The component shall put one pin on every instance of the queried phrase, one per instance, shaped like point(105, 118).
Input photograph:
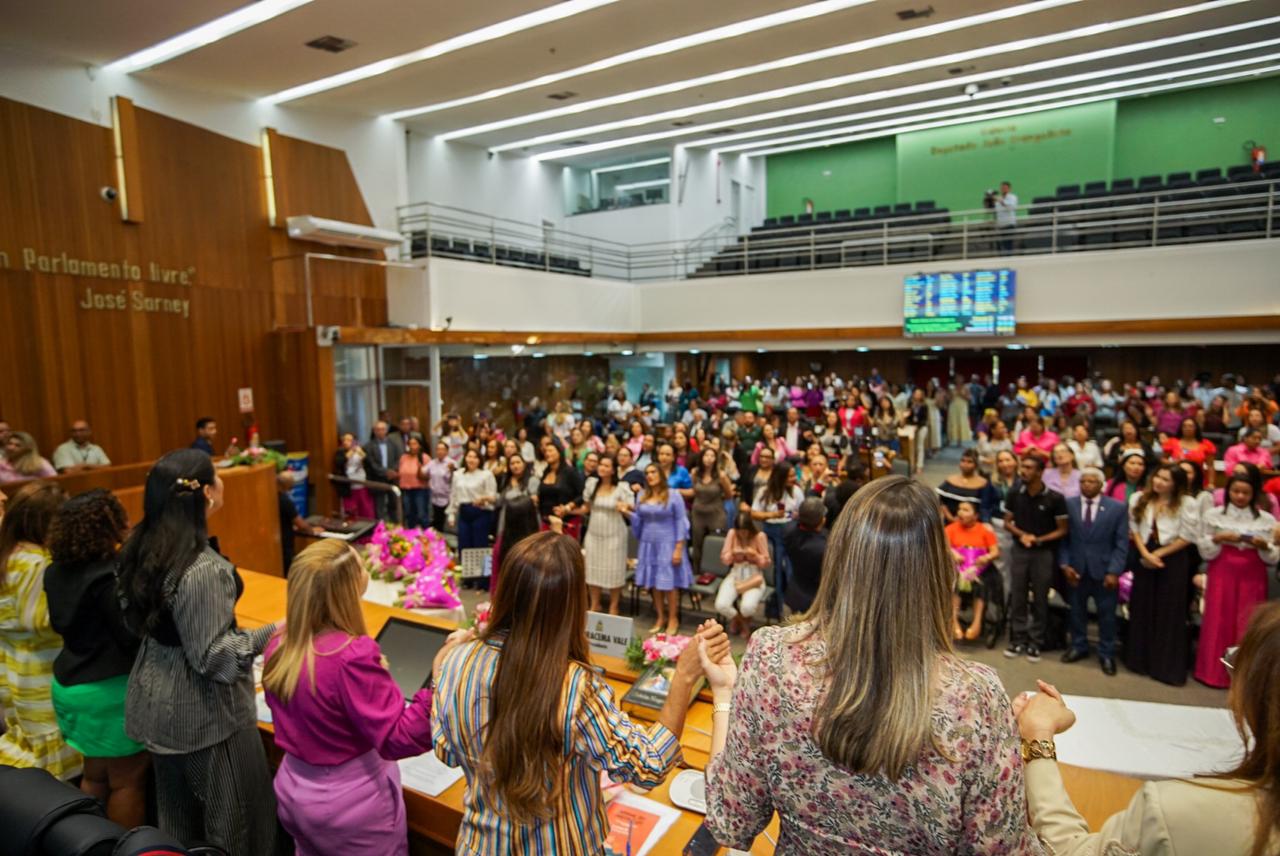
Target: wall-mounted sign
point(245, 396)
point(137, 300)
point(122, 269)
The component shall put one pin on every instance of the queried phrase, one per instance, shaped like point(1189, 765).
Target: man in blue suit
point(1092, 557)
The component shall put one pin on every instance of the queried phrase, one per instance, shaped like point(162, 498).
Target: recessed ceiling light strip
point(729, 31)
point(773, 65)
point(719, 140)
point(536, 18)
point(1000, 114)
point(205, 34)
point(860, 98)
point(993, 99)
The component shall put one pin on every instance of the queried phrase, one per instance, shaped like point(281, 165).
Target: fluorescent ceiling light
point(1003, 102)
point(888, 71)
point(546, 15)
point(760, 68)
point(1022, 111)
point(205, 34)
point(625, 166)
point(637, 185)
point(729, 31)
point(718, 141)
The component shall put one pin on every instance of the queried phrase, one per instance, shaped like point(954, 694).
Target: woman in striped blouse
point(190, 699)
point(532, 726)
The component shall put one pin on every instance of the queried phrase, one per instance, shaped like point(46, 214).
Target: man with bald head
point(80, 452)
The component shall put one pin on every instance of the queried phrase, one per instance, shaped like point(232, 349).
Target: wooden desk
point(1098, 795)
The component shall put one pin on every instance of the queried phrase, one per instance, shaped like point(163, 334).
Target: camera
point(108, 194)
point(989, 198)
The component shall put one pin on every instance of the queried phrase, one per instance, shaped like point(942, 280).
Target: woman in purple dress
point(661, 525)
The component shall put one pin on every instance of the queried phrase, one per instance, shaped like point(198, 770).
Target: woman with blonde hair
point(532, 725)
point(1231, 813)
point(22, 460)
point(859, 725)
point(339, 716)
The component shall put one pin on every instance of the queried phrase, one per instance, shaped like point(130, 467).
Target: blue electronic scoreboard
point(963, 303)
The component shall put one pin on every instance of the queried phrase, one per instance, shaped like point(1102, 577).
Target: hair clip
point(189, 484)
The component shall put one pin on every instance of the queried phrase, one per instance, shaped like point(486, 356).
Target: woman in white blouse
point(472, 497)
point(1164, 522)
point(1086, 450)
point(1238, 540)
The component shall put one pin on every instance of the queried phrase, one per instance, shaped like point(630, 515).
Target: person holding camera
point(1005, 205)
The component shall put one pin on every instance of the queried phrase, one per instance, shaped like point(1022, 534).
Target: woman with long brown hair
point(1233, 813)
point(885, 739)
point(532, 725)
point(339, 716)
point(1164, 522)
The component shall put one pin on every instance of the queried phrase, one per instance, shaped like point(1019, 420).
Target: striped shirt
point(598, 736)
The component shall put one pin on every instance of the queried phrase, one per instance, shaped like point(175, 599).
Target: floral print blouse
point(973, 805)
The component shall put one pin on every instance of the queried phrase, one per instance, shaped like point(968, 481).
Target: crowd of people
point(121, 653)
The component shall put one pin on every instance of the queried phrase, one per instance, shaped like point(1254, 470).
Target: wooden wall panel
point(142, 378)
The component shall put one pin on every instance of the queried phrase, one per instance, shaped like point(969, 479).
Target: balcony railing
point(1143, 219)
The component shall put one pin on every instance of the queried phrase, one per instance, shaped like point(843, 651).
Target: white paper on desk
point(337, 536)
point(426, 774)
point(667, 817)
point(264, 712)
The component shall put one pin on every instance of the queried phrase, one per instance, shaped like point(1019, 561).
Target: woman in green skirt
point(92, 671)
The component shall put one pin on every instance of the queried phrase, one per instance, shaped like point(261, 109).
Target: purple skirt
point(354, 807)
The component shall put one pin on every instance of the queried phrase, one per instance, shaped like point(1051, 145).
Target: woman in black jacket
point(91, 672)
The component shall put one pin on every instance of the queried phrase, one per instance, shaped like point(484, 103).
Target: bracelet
point(722, 707)
point(1034, 749)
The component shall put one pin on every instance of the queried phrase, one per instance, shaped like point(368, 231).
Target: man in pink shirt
point(1036, 440)
point(1248, 451)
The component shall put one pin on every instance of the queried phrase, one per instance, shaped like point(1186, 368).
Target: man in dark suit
point(806, 543)
point(384, 451)
point(1092, 557)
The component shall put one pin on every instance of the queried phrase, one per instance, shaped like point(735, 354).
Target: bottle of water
point(879, 459)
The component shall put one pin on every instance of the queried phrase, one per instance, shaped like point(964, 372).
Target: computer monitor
point(410, 648)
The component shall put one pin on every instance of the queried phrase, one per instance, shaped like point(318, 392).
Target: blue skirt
point(654, 568)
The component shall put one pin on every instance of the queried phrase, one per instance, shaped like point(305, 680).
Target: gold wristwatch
point(1033, 749)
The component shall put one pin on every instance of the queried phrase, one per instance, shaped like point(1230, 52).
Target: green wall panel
point(1176, 132)
point(850, 176)
point(1143, 136)
point(1036, 152)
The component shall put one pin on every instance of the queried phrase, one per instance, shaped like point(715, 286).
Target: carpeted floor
point(1081, 678)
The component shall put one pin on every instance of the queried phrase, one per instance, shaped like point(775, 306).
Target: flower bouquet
point(420, 559)
point(259, 455)
point(661, 649)
point(479, 619)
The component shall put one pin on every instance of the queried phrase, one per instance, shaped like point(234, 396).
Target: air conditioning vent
point(577, 142)
point(683, 123)
point(715, 132)
point(961, 69)
point(562, 96)
point(332, 44)
point(913, 14)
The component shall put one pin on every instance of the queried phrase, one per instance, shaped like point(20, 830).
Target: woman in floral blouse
point(928, 763)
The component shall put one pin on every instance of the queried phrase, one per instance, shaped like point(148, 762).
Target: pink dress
point(338, 787)
point(1237, 583)
point(975, 803)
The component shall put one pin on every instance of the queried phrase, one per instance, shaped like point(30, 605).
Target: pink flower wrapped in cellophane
point(663, 647)
point(419, 557)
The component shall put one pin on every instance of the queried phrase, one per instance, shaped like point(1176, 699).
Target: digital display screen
point(962, 303)
point(410, 649)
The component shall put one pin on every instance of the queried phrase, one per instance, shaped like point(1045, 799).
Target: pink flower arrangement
point(480, 618)
point(663, 647)
point(418, 557)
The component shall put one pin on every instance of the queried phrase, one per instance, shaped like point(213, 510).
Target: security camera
point(108, 194)
point(972, 89)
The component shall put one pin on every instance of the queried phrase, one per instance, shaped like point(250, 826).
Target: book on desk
point(648, 694)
